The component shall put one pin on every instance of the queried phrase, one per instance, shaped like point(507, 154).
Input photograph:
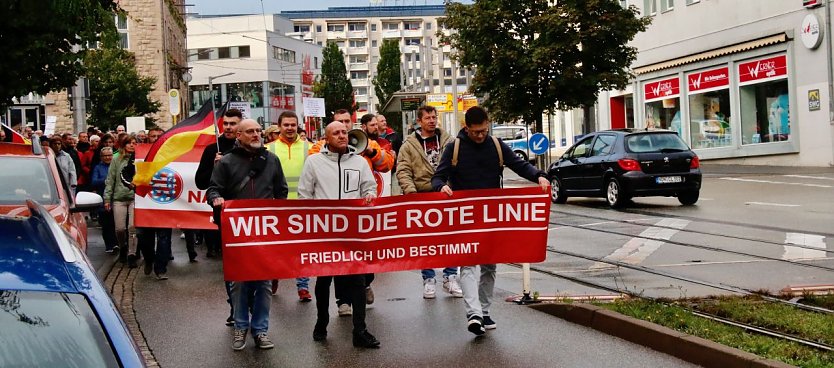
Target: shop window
point(709, 119)
point(200, 94)
point(765, 112)
point(664, 114)
point(251, 92)
point(628, 101)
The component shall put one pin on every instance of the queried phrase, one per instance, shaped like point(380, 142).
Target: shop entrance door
point(23, 116)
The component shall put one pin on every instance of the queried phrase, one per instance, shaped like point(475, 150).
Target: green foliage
point(532, 56)
point(39, 39)
point(117, 90)
point(333, 84)
point(387, 79)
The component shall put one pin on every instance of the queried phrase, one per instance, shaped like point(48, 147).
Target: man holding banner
point(475, 160)
point(248, 172)
point(336, 172)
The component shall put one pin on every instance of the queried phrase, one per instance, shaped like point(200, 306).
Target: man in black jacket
point(478, 168)
point(248, 171)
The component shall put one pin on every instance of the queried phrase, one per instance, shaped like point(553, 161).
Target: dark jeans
point(354, 288)
point(155, 245)
point(343, 297)
point(108, 228)
point(190, 236)
point(212, 240)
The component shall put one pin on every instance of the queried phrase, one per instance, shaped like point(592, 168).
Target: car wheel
point(557, 193)
point(614, 194)
point(521, 155)
point(688, 198)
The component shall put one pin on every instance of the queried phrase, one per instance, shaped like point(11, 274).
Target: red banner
point(666, 88)
point(763, 70)
point(709, 80)
point(272, 239)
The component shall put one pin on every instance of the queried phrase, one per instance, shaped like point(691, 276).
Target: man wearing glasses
point(479, 159)
point(248, 171)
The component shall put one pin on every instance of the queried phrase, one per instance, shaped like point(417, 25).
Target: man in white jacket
point(337, 173)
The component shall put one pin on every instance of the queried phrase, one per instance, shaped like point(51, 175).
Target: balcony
point(304, 36)
point(357, 50)
point(359, 66)
point(362, 82)
point(391, 33)
point(336, 35)
point(410, 48)
point(413, 33)
point(361, 98)
point(412, 65)
point(357, 34)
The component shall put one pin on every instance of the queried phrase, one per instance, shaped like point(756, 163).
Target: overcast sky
point(211, 7)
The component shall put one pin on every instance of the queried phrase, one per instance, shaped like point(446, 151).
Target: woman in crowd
point(105, 218)
point(118, 197)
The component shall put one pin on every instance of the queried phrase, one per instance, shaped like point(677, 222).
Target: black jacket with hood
point(203, 176)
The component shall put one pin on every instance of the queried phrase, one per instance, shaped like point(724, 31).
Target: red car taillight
point(695, 163)
point(628, 164)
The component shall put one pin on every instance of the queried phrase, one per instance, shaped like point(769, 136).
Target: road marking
point(772, 204)
point(687, 264)
point(777, 182)
point(809, 177)
point(636, 250)
point(808, 240)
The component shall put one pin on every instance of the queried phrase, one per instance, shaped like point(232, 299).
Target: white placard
point(49, 127)
point(243, 106)
point(135, 123)
point(313, 106)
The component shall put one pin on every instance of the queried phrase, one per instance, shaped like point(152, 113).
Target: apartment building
point(248, 61)
point(743, 80)
point(359, 33)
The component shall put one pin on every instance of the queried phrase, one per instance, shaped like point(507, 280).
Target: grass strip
point(677, 318)
point(822, 301)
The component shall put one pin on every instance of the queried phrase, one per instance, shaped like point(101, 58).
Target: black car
point(625, 163)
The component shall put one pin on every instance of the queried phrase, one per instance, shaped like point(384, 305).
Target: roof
point(30, 258)
point(408, 11)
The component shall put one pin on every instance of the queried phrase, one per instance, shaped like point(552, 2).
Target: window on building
point(373, 27)
point(340, 44)
point(690, 2)
point(223, 52)
point(373, 43)
point(709, 119)
point(355, 59)
point(315, 62)
point(390, 26)
point(301, 28)
point(667, 5)
point(663, 105)
point(360, 91)
point(649, 7)
point(283, 54)
point(356, 27)
point(412, 41)
point(359, 74)
point(243, 51)
point(411, 26)
point(121, 27)
point(461, 72)
point(623, 3)
point(447, 72)
point(320, 43)
point(428, 25)
point(200, 94)
point(358, 43)
point(335, 28)
point(251, 92)
point(203, 54)
point(318, 29)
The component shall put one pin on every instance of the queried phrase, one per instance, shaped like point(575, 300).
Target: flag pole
point(214, 113)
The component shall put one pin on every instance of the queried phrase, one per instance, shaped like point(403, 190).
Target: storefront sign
point(813, 100)
point(763, 70)
point(708, 80)
point(810, 32)
point(271, 239)
point(662, 89)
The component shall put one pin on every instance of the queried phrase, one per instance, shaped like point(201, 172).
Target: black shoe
point(131, 261)
point(230, 321)
point(319, 335)
point(192, 260)
point(148, 267)
point(365, 340)
point(476, 325)
point(210, 254)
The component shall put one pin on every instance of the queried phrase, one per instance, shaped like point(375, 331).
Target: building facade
point(359, 33)
point(248, 61)
point(744, 80)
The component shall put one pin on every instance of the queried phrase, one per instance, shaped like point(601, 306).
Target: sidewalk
point(182, 320)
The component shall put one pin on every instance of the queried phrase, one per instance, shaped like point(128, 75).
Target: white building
point(359, 33)
point(270, 72)
point(746, 80)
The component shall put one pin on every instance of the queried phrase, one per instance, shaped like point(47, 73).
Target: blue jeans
point(259, 322)
point(302, 283)
point(448, 271)
point(163, 251)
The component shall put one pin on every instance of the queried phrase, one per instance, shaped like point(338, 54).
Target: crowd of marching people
point(279, 162)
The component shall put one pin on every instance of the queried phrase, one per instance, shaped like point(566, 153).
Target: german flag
point(12, 136)
point(197, 130)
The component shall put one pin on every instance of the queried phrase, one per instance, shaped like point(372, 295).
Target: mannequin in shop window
point(779, 119)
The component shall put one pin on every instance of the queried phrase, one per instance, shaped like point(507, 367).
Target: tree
point(387, 79)
point(41, 43)
point(537, 56)
point(333, 84)
point(117, 90)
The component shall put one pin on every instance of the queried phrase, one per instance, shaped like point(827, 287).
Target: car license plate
point(668, 179)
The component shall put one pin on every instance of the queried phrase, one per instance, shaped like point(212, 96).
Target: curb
point(119, 282)
point(665, 340)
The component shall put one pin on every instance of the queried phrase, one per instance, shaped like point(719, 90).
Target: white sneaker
point(345, 310)
point(429, 289)
point(452, 286)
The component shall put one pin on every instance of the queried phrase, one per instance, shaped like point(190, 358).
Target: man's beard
point(373, 136)
point(254, 145)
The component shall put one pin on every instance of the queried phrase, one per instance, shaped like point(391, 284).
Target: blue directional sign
point(539, 143)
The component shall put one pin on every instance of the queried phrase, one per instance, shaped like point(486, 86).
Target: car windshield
point(662, 142)
point(43, 329)
point(23, 178)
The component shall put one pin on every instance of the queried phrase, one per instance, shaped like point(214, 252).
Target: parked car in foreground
point(625, 163)
point(54, 310)
point(28, 172)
